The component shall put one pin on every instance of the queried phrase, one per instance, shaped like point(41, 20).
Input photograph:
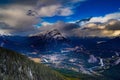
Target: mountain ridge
point(14, 66)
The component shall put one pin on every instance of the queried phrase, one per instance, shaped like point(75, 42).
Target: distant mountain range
point(49, 40)
point(107, 48)
point(54, 41)
point(113, 44)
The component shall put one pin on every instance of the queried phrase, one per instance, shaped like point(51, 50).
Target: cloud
point(107, 26)
point(92, 29)
point(52, 10)
point(106, 29)
point(48, 10)
point(65, 12)
point(16, 18)
point(64, 28)
point(107, 17)
point(46, 23)
point(4, 26)
point(14, 13)
point(113, 25)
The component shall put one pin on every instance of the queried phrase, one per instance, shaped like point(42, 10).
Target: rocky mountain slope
point(52, 34)
point(50, 40)
point(14, 66)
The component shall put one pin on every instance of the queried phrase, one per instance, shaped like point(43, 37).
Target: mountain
point(113, 73)
point(51, 35)
point(107, 48)
point(16, 43)
point(45, 41)
point(14, 66)
point(50, 40)
point(77, 54)
point(113, 44)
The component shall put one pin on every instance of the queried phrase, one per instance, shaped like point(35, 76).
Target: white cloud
point(48, 11)
point(46, 8)
point(106, 17)
point(106, 29)
point(5, 32)
point(46, 23)
point(52, 10)
point(65, 12)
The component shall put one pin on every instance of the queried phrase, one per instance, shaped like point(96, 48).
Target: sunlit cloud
point(106, 17)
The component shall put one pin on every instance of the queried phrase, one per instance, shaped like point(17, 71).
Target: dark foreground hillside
point(14, 66)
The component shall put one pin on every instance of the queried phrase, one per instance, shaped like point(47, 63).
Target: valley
point(64, 53)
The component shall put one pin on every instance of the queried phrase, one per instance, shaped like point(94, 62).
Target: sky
point(90, 8)
point(26, 17)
